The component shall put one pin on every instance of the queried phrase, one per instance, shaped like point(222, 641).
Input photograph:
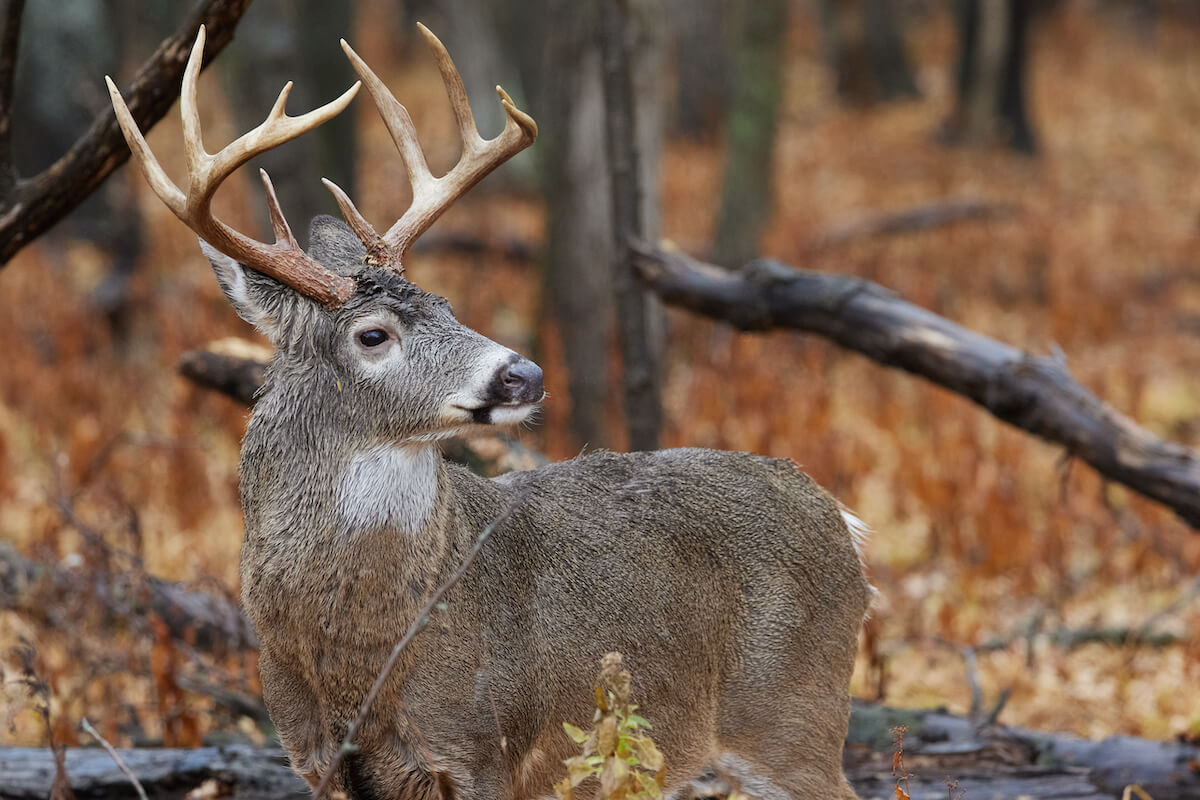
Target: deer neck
point(321, 499)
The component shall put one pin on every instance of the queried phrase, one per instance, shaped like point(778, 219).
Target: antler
point(284, 260)
point(431, 196)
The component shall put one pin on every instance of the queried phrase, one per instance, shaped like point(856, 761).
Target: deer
point(733, 585)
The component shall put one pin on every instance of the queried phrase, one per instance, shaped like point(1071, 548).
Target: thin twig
point(418, 624)
point(87, 726)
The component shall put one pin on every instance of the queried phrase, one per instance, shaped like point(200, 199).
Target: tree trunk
point(579, 249)
point(864, 45)
point(702, 66)
point(643, 411)
point(990, 102)
point(750, 131)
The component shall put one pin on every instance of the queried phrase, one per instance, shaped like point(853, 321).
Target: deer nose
point(522, 381)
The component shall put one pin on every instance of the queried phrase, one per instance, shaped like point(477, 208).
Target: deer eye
point(373, 337)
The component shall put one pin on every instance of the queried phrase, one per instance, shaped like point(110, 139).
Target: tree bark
point(33, 205)
point(1034, 393)
point(865, 46)
point(643, 410)
point(990, 102)
point(702, 66)
point(750, 128)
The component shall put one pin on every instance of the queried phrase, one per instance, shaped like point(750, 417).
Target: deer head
point(343, 314)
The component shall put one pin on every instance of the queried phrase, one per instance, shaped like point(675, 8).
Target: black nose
point(521, 382)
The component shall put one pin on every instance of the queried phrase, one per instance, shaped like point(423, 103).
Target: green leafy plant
point(616, 749)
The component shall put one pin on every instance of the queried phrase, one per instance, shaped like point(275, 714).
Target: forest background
point(1072, 227)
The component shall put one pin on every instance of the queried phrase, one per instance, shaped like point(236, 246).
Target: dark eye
point(373, 337)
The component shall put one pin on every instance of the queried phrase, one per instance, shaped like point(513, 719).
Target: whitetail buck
point(730, 582)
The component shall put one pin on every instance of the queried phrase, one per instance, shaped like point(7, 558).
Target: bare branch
point(1035, 393)
point(35, 204)
point(418, 625)
point(916, 219)
point(108, 748)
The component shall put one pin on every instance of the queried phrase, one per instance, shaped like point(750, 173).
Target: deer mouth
point(510, 413)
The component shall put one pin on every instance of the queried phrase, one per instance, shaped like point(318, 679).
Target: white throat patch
point(389, 486)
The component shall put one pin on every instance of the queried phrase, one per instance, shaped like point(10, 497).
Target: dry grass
point(979, 529)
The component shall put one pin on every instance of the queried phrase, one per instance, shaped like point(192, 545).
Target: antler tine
point(468, 131)
point(279, 223)
point(283, 260)
point(397, 119)
point(432, 196)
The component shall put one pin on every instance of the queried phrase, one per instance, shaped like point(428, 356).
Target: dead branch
point(1072, 638)
point(921, 218)
point(1035, 393)
point(31, 206)
point(115, 756)
point(208, 621)
point(235, 376)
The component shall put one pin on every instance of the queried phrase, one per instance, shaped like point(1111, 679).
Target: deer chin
point(503, 414)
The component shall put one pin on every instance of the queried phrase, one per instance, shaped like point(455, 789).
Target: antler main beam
point(284, 260)
point(431, 196)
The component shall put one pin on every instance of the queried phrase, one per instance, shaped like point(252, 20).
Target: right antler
point(284, 260)
point(431, 196)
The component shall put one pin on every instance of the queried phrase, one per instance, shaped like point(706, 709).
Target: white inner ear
point(232, 277)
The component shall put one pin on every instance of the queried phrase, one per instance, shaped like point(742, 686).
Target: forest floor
point(989, 549)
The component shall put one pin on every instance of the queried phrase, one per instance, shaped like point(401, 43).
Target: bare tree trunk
point(642, 409)
point(750, 130)
point(702, 65)
point(864, 45)
point(575, 184)
point(990, 102)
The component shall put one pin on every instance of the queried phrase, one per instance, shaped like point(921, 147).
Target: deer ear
point(255, 297)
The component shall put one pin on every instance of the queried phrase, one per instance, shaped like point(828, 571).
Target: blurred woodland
point(1028, 170)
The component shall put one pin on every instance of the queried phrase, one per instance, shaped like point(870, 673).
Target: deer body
point(719, 593)
point(731, 583)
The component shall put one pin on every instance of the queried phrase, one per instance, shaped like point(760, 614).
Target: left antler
point(431, 196)
point(283, 260)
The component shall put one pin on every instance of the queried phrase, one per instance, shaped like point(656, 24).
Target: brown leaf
point(606, 737)
point(613, 778)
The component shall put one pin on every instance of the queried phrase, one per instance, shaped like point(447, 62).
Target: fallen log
point(207, 621)
point(1035, 393)
point(993, 763)
point(240, 773)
